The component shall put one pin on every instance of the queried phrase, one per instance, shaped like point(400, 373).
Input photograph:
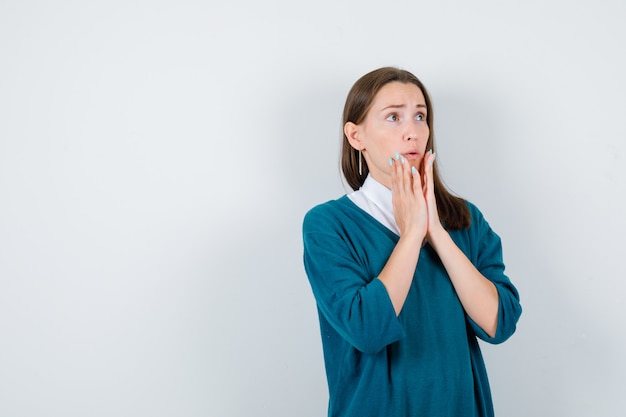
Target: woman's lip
point(411, 155)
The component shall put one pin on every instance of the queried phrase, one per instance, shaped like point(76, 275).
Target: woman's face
point(396, 122)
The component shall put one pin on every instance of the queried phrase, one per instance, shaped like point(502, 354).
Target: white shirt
point(375, 199)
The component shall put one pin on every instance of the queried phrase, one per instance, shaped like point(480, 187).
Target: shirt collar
point(378, 194)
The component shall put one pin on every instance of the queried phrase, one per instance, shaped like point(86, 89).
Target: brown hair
point(453, 211)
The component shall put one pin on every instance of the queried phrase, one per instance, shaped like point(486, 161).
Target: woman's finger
point(417, 180)
point(429, 194)
point(429, 174)
point(397, 173)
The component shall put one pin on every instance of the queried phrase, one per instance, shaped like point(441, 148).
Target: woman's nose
point(411, 133)
point(415, 131)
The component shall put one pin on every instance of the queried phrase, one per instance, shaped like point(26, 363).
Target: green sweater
point(424, 362)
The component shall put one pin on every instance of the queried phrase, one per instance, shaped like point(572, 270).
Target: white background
point(157, 158)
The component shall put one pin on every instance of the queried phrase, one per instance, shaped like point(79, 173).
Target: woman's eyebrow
point(400, 106)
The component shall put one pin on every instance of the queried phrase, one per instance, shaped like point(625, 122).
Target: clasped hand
point(413, 197)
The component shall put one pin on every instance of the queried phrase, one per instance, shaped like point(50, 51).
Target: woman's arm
point(477, 294)
point(410, 212)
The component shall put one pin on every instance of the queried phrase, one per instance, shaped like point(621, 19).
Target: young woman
point(405, 275)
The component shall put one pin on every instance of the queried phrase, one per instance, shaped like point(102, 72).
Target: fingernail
point(433, 159)
point(413, 170)
point(390, 161)
point(430, 151)
point(402, 159)
point(397, 156)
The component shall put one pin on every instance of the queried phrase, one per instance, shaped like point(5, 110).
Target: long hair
point(453, 211)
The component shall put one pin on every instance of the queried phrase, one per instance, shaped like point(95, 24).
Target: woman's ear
point(351, 131)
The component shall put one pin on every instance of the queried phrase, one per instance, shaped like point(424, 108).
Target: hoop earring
point(360, 164)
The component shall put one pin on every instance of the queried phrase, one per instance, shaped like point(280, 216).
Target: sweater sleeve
point(356, 305)
point(489, 261)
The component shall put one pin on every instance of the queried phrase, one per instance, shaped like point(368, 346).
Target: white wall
point(157, 157)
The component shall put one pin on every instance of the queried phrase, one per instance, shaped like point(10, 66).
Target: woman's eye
point(419, 117)
point(392, 118)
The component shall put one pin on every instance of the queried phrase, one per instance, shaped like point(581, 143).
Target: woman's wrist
point(437, 234)
point(412, 238)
